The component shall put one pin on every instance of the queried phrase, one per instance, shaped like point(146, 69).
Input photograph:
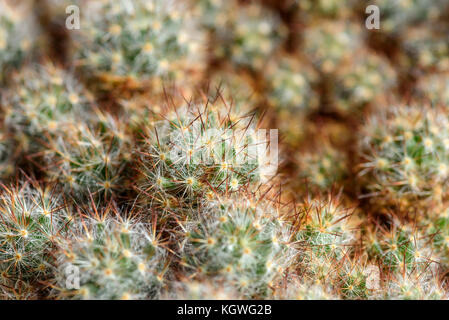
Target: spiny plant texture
point(17, 35)
point(44, 100)
point(405, 155)
point(139, 40)
point(89, 159)
point(33, 223)
point(117, 258)
point(197, 151)
point(243, 239)
point(224, 149)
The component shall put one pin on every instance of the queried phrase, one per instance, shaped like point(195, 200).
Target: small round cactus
point(329, 44)
point(45, 100)
point(428, 50)
point(250, 36)
point(323, 167)
point(416, 285)
point(401, 248)
point(34, 222)
point(434, 89)
point(326, 8)
point(363, 80)
point(290, 85)
point(115, 258)
point(243, 239)
point(17, 35)
point(405, 155)
point(197, 151)
point(90, 160)
point(140, 41)
point(327, 230)
point(437, 228)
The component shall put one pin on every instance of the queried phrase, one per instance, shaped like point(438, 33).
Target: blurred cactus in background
point(435, 89)
point(367, 77)
point(405, 155)
point(90, 160)
point(18, 34)
point(138, 42)
point(324, 167)
point(45, 100)
point(400, 14)
point(329, 44)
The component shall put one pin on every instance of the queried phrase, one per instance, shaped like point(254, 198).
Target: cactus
point(6, 155)
point(202, 290)
point(434, 89)
point(290, 86)
point(324, 167)
point(34, 222)
point(401, 248)
point(397, 15)
point(90, 160)
point(404, 155)
point(249, 37)
point(244, 240)
point(45, 100)
point(329, 44)
point(196, 152)
point(326, 8)
point(429, 49)
point(142, 41)
point(117, 258)
point(18, 32)
point(363, 81)
point(416, 286)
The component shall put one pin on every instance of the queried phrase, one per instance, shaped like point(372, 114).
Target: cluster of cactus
point(158, 181)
